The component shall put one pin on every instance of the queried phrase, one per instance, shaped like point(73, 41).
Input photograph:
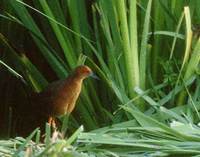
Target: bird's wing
point(45, 99)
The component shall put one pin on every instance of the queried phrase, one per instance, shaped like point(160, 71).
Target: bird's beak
point(93, 75)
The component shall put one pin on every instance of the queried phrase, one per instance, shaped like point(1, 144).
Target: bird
point(59, 98)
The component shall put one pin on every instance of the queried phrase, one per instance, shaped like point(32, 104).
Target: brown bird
point(60, 97)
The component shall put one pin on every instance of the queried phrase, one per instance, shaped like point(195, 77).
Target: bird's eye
point(87, 71)
point(84, 70)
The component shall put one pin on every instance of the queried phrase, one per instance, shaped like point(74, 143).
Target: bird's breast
point(66, 99)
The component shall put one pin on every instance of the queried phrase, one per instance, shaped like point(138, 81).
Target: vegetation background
point(146, 54)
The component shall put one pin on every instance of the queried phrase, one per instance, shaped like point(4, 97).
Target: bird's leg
point(55, 134)
point(52, 123)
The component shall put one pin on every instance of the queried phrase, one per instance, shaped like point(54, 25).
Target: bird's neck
point(77, 78)
point(73, 79)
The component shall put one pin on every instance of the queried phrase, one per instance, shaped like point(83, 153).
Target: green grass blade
point(143, 49)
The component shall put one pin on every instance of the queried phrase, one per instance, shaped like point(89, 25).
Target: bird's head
point(83, 71)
